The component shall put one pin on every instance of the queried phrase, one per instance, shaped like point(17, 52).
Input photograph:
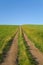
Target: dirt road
point(11, 58)
point(34, 51)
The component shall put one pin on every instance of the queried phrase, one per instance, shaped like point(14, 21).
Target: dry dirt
point(34, 51)
point(11, 58)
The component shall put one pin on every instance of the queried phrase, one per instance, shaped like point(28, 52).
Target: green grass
point(24, 58)
point(6, 33)
point(35, 34)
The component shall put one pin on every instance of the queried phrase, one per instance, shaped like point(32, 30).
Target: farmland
point(18, 45)
point(6, 33)
point(24, 55)
point(23, 58)
point(35, 34)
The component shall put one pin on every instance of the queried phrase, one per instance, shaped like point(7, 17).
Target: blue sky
point(21, 11)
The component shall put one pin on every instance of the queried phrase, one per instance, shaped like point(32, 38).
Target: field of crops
point(15, 47)
point(35, 34)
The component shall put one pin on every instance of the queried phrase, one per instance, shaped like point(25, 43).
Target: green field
point(35, 34)
point(23, 59)
point(6, 32)
point(24, 56)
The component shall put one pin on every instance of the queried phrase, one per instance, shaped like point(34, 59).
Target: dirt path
point(34, 51)
point(11, 58)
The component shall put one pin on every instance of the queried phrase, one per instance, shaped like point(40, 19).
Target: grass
point(30, 56)
point(35, 34)
point(7, 32)
point(24, 57)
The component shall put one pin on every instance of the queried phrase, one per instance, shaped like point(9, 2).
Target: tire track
point(11, 58)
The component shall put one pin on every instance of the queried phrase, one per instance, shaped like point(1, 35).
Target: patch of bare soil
point(34, 51)
point(11, 58)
